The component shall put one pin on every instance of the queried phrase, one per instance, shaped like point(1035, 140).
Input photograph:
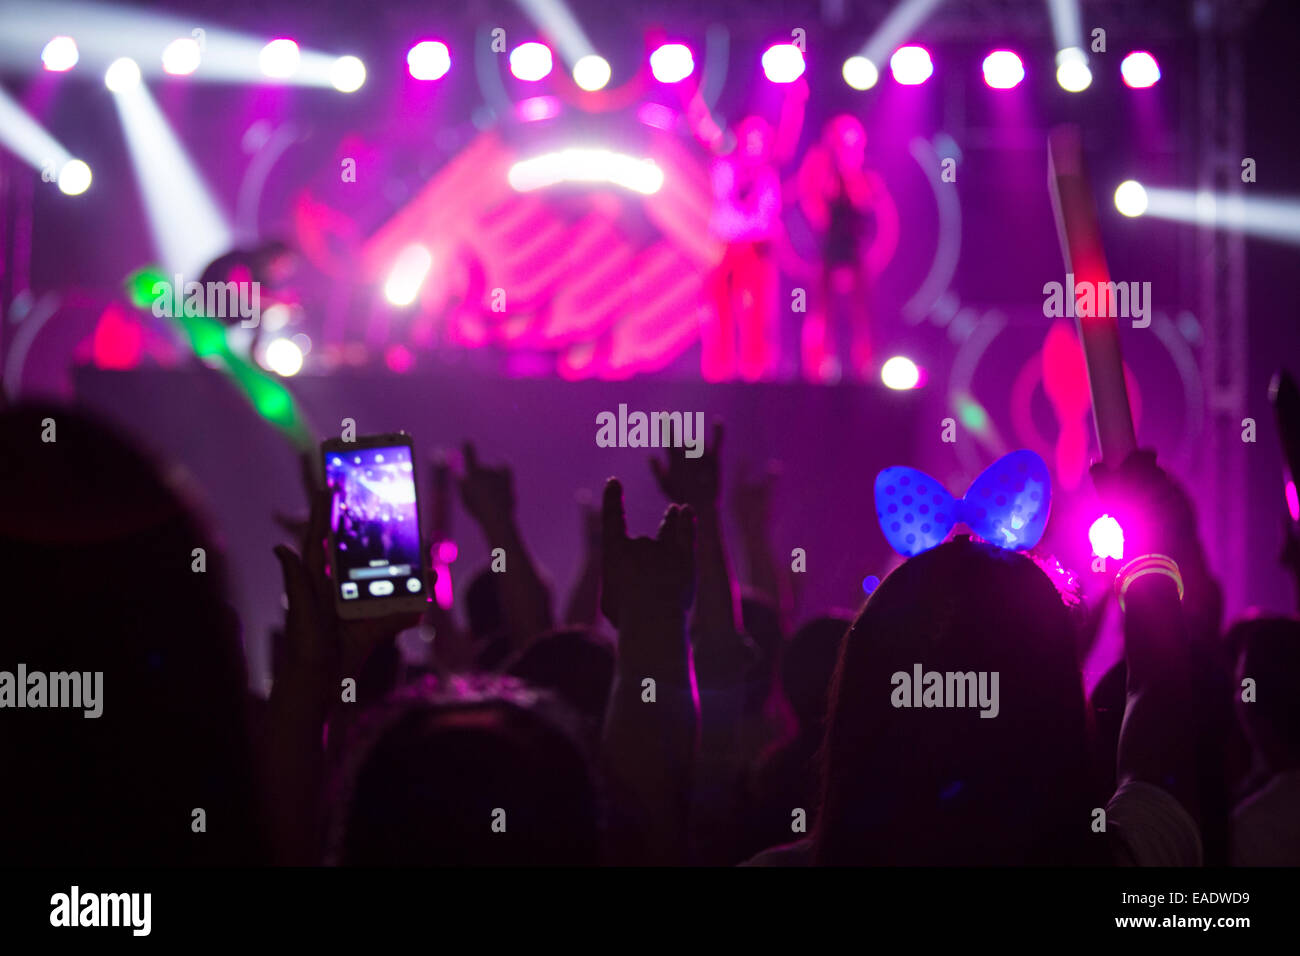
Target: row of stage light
point(430, 60)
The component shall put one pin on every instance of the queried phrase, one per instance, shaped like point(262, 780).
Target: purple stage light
point(1003, 70)
point(531, 61)
point(783, 63)
point(1140, 70)
point(672, 63)
point(911, 65)
point(537, 108)
point(1107, 538)
point(279, 59)
point(60, 54)
point(428, 60)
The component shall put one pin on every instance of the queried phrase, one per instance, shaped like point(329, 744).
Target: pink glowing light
point(447, 551)
point(672, 63)
point(1292, 501)
point(428, 60)
point(783, 63)
point(911, 65)
point(536, 108)
point(1003, 70)
point(1107, 538)
point(531, 61)
point(1140, 70)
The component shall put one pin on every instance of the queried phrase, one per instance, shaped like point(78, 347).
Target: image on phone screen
point(375, 523)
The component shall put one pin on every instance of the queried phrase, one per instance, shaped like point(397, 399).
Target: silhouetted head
point(477, 771)
point(808, 667)
point(102, 572)
point(1268, 652)
point(846, 139)
point(944, 784)
point(577, 665)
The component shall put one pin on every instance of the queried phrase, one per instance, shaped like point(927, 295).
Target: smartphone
point(375, 545)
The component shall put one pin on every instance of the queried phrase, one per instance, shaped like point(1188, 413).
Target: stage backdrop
point(830, 441)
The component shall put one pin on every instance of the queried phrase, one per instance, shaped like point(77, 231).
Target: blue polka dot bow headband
point(1006, 505)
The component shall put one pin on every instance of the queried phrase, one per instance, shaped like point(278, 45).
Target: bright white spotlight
point(279, 59)
point(900, 373)
point(860, 73)
point(1107, 538)
point(122, 75)
point(783, 63)
point(591, 72)
point(587, 166)
point(1003, 70)
point(1072, 73)
point(911, 65)
point(74, 178)
point(347, 74)
point(1140, 70)
point(283, 357)
point(429, 60)
point(672, 63)
point(407, 275)
point(60, 54)
point(1131, 198)
point(531, 61)
point(181, 57)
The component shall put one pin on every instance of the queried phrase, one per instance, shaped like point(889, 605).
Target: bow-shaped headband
point(1006, 505)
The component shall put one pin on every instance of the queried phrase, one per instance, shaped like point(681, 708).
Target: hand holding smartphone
point(375, 545)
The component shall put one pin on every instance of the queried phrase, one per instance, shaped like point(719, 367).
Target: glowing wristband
point(1144, 565)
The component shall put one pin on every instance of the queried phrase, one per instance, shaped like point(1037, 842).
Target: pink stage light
point(428, 60)
point(531, 61)
point(537, 108)
point(1292, 501)
point(672, 63)
point(783, 63)
point(1003, 70)
point(911, 65)
point(1107, 538)
point(1140, 70)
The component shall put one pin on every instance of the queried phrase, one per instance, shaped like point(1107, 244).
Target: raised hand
point(692, 481)
point(487, 493)
point(646, 579)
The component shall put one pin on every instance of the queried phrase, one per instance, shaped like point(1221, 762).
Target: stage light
point(672, 63)
point(1072, 73)
point(74, 178)
point(900, 373)
point(911, 65)
point(407, 275)
point(1003, 70)
point(181, 57)
point(1107, 538)
point(1131, 198)
point(1140, 70)
point(587, 166)
point(122, 75)
point(60, 54)
point(860, 73)
point(531, 61)
point(428, 60)
point(188, 229)
point(536, 108)
point(283, 357)
point(347, 74)
point(1266, 217)
point(279, 59)
point(783, 63)
point(591, 72)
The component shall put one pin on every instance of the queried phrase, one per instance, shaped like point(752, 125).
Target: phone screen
point(375, 524)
